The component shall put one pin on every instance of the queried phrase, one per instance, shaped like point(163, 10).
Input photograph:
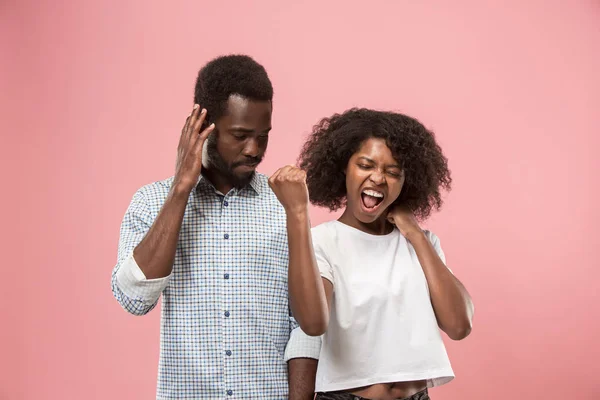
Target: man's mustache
point(249, 161)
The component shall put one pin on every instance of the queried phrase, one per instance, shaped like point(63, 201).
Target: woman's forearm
point(451, 302)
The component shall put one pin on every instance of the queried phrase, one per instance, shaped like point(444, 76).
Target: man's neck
point(219, 181)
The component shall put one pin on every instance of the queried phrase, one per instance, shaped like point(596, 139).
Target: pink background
point(93, 98)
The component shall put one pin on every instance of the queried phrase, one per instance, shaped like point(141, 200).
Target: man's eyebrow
point(246, 130)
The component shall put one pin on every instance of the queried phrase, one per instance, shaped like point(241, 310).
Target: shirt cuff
point(301, 345)
point(133, 283)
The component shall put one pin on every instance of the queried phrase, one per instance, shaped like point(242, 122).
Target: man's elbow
point(314, 328)
point(138, 311)
point(134, 307)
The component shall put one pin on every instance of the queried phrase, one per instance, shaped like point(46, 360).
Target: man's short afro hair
point(230, 75)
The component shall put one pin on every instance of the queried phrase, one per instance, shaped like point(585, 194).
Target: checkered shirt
point(225, 318)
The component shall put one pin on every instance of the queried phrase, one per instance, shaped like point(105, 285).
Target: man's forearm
point(308, 300)
point(301, 375)
point(156, 252)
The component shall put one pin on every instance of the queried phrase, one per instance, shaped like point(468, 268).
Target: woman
point(373, 282)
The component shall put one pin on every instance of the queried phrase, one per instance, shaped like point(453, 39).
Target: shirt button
point(226, 276)
point(228, 352)
point(225, 203)
point(226, 236)
point(229, 392)
point(227, 313)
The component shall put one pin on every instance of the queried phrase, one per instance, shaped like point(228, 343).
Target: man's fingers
point(184, 132)
point(186, 126)
point(204, 134)
point(192, 121)
point(289, 173)
point(201, 138)
point(274, 177)
point(286, 172)
point(198, 123)
point(299, 175)
point(294, 174)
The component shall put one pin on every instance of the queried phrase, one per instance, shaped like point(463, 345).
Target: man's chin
point(241, 179)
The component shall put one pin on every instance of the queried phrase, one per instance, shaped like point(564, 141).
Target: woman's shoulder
point(324, 230)
point(431, 236)
point(324, 226)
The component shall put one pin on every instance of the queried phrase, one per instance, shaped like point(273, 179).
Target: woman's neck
point(381, 226)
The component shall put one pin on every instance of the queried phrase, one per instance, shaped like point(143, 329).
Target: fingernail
point(212, 125)
point(196, 106)
point(203, 111)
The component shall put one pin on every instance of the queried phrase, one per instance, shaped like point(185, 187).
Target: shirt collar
point(255, 184)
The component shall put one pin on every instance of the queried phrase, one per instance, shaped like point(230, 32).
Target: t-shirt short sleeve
point(319, 239)
point(435, 242)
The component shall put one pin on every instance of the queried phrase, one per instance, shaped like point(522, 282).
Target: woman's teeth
point(371, 198)
point(373, 193)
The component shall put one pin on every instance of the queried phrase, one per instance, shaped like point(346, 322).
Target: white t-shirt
point(382, 326)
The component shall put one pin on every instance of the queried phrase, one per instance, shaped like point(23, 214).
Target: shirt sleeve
point(321, 256)
point(293, 323)
point(301, 345)
point(136, 294)
point(435, 242)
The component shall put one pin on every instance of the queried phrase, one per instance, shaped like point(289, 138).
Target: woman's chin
point(369, 217)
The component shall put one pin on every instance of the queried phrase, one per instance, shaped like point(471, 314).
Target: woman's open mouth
point(371, 200)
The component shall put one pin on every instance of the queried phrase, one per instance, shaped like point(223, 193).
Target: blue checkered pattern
point(225, 316)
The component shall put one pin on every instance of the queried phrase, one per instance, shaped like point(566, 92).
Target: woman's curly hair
point(326, 154)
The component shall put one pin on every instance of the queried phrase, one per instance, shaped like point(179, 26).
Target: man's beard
point(216, 162)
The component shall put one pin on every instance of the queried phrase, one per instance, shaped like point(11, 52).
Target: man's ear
point(205, 156)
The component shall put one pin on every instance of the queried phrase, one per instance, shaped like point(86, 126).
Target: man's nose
point(251, 148)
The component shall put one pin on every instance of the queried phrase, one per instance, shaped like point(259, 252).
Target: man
point(212, 240)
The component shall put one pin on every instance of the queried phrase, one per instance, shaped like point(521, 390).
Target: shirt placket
point(227, 219)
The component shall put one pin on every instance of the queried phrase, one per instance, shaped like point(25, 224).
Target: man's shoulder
point(262, 183)
point(155, 192)
point(268, 200)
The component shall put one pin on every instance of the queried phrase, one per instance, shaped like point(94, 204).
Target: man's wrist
point(297, 215)
point(180, 190)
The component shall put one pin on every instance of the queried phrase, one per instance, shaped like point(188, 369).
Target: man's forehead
point(246, 112)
